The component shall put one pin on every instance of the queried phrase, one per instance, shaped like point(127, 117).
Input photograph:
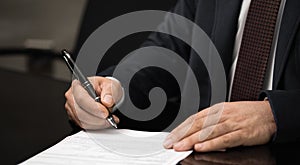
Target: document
point(110, 146)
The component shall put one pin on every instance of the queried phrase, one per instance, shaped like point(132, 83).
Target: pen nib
point(115, 125)
point(112, 122)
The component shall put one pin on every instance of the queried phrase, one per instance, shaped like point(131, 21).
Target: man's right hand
point(84, 110)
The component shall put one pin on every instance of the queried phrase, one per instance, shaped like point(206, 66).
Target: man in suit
point(272, 117)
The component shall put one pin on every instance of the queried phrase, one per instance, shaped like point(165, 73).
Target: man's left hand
point(224, 125)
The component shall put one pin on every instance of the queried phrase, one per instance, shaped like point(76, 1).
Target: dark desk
point(33, 118)
point(265, 154)
point(32, 114)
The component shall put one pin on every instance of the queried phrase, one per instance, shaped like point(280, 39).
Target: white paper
point(83, 148)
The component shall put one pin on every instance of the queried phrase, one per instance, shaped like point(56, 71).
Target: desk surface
point(33, 118)
point(32, 114)
point(265, 154)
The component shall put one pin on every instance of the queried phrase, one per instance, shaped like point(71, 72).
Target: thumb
point(106, 95)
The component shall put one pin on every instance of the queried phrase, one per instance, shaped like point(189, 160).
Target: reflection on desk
point(265, 154)
point(251, 155)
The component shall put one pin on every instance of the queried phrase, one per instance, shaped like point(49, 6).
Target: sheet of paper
point(84, 148)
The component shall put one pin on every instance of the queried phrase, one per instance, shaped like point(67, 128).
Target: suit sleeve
point(285, 99)
point(286, 110)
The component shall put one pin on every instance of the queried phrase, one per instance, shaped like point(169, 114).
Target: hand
point(223, 126)
point(84, 110)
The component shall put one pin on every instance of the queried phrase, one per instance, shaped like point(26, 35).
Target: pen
point(86, 84)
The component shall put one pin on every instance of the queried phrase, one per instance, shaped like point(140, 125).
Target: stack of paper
point(84, 148)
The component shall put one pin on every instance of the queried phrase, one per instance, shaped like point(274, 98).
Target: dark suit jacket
point(219, 19)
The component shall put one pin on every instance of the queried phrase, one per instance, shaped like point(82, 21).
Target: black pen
point(86, 84)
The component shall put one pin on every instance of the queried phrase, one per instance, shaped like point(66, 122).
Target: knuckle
point(197, 126)
point(244, 134)
point(197, 123)
point(226, 111)
point(226, 139)
point(225, 127)
point(197, 149)
point(66, 106)
point(188, 141)
point(174, 136)
point(108, 84)
point(91, 79)
point(221, 105)
point(67, 93)
point(227, 107)
point(225, 104)
point(239, 118)
point(191, 119)
point(74, 83)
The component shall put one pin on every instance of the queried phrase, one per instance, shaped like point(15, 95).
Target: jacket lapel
point(225, 28)
point(289, 25)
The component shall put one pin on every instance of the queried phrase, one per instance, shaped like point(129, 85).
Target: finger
point(229, 140)
point(69, 106)
point(68, 109)
point(96, 81)
point(178, 133)
point(183, 130)
point(84, 100)
point(88, 126)
point(88, 118)
point(90, 121)
point(203, 135)
point(104, 124)
point(72, 116)
point(107, 93)
point(194, 123)
point(117, 120)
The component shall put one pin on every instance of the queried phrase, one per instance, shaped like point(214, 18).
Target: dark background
point(97, 13)
point(32, 99)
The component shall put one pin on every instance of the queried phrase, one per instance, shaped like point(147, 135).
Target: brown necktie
point(255, 49)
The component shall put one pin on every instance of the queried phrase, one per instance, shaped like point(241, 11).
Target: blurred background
point(33, 76)
point(49, 25)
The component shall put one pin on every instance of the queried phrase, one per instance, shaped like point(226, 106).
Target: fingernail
point(178, 145)
point(107, 99)
point(168, 143)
